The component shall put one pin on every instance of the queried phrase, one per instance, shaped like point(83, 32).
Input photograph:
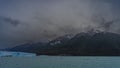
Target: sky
point(23, 21)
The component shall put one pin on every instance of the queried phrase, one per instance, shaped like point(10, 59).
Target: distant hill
point(28, 47)
point(82, 44)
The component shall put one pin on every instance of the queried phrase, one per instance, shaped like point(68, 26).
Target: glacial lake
point(60, 62)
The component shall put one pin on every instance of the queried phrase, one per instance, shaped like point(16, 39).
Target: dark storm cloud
point(9, 21)
point(29, 21)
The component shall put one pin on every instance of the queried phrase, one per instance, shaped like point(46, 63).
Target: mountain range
point(81, 44)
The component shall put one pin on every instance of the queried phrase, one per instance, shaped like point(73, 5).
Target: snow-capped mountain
point(89, 44)
point(95, 44)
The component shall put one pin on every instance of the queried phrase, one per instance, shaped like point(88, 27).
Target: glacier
point(15, 54)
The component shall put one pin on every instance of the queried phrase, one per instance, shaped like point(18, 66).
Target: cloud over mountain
point(29, 21)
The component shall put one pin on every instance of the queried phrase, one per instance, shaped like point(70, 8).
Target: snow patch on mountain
point(61, 39)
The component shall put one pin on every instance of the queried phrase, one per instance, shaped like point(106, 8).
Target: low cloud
point(57, 18)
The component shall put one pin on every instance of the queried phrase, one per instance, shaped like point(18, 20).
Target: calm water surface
point(60, 62)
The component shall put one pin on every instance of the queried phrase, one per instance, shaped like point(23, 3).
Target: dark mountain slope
point(29, 47)
point(82, 44)
point(85, 44)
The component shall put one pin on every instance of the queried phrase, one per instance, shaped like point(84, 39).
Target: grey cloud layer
point(50, 19)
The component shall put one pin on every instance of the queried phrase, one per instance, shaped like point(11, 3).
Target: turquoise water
point(59, 62)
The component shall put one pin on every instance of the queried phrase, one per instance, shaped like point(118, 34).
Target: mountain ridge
point(81, 44)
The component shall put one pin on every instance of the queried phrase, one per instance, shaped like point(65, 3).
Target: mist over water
point(30, 21)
